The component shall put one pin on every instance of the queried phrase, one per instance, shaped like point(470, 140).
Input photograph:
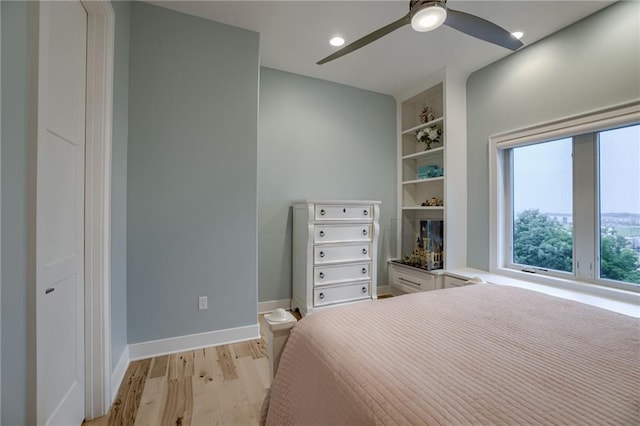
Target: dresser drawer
point(341, 253)
point(343, 212)
point(336, 233)
point(450, 282)
point(408, 280)
point(323, 275)
point(341, 293)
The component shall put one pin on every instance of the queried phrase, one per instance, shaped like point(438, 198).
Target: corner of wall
point(118, 373)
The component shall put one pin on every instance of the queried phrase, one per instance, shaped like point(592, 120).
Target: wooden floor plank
point(179, 403)
point(262, 366)
point(206, 367)
point(222, 385)
point(98, 421)
point(180, 365)
point(242, 349)
point(125, 407)
point(258, 348)
point(152, 403)
point(159, 367)
point(226, 362)
point(235, 406)
point(206, 402)
point(251, 383)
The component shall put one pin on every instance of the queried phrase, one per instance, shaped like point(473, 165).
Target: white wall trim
point(0, 217)
point(271, 305)
point(32, 135)
point(384, 289)
point(119, 372)
point(99, 111)
point(192, 341)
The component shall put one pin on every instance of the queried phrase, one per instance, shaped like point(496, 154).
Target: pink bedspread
point(480, 354)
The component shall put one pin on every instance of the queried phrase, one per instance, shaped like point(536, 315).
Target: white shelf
point(445, 94)
point(426, 153)
point(411, 182)
point(422, 126)
point(424, 208)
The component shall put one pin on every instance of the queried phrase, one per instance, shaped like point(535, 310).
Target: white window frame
point(509, 222)
point(501, 222)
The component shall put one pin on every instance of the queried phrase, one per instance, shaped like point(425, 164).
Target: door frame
point(97, 255)
point(0, 211)
point(99, 125)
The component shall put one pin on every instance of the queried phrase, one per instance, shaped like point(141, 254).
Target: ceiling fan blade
point(482, 29)
point(368, 39)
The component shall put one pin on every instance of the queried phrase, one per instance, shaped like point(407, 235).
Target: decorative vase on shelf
point(429, 135)
point(426, 114)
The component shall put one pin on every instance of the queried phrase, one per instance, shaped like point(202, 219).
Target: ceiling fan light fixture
point(428, 17)
point(336, 41)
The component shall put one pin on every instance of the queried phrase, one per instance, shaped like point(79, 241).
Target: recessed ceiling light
point(517, 34)
point(336, 41)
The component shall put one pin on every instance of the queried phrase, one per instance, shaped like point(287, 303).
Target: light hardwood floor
point(223, 385)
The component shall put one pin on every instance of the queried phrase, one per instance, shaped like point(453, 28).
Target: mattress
point(479, 354)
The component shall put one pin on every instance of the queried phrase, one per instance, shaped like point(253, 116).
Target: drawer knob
point(322, 212)
point(364, 251)
point(321, 275)
point(365, 212)
point(364, 232)
point(321, 254)
point(322, 233)
point(321, 296)
point(364, 270)
point(364, 289)
point(344, 210)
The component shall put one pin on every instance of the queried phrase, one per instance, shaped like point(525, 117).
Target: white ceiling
point(294, 35)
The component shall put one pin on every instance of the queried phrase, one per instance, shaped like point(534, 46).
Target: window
point(566, 200)
point(619, 207)
point(542, 199)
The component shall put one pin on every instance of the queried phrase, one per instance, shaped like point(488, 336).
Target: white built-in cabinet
point(335, 246)
point(445, 94)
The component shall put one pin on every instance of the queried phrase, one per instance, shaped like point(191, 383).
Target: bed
point(479, 354)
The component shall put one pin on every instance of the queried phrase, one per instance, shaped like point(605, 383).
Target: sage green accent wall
point(119, 182)
point(589, 65)
point(15, 65)
point(319, 140)
point(191, 175)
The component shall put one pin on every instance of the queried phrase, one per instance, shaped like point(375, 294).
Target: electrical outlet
point(202, 302)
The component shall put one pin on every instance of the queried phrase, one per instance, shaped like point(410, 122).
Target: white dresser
point(335, 245)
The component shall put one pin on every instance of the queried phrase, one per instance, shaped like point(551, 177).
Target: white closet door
point(60, 213)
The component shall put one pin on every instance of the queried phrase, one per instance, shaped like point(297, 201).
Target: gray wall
point(589, 65)
point(119, 183)
point(318, 140)
point(191, 175)
point(14, 183)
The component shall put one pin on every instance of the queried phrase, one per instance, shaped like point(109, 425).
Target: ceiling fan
point(427, 15)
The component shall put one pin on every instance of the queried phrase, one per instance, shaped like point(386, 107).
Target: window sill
point(616, 300)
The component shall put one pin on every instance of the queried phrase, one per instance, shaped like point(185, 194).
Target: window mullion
point(508, 210)
point(585, 204)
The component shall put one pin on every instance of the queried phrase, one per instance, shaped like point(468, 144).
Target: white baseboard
point(383, 289)
point(117, 375)
point(193, 341)
point(270, 306)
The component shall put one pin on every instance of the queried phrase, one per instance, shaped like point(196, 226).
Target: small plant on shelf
point(429, 135)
